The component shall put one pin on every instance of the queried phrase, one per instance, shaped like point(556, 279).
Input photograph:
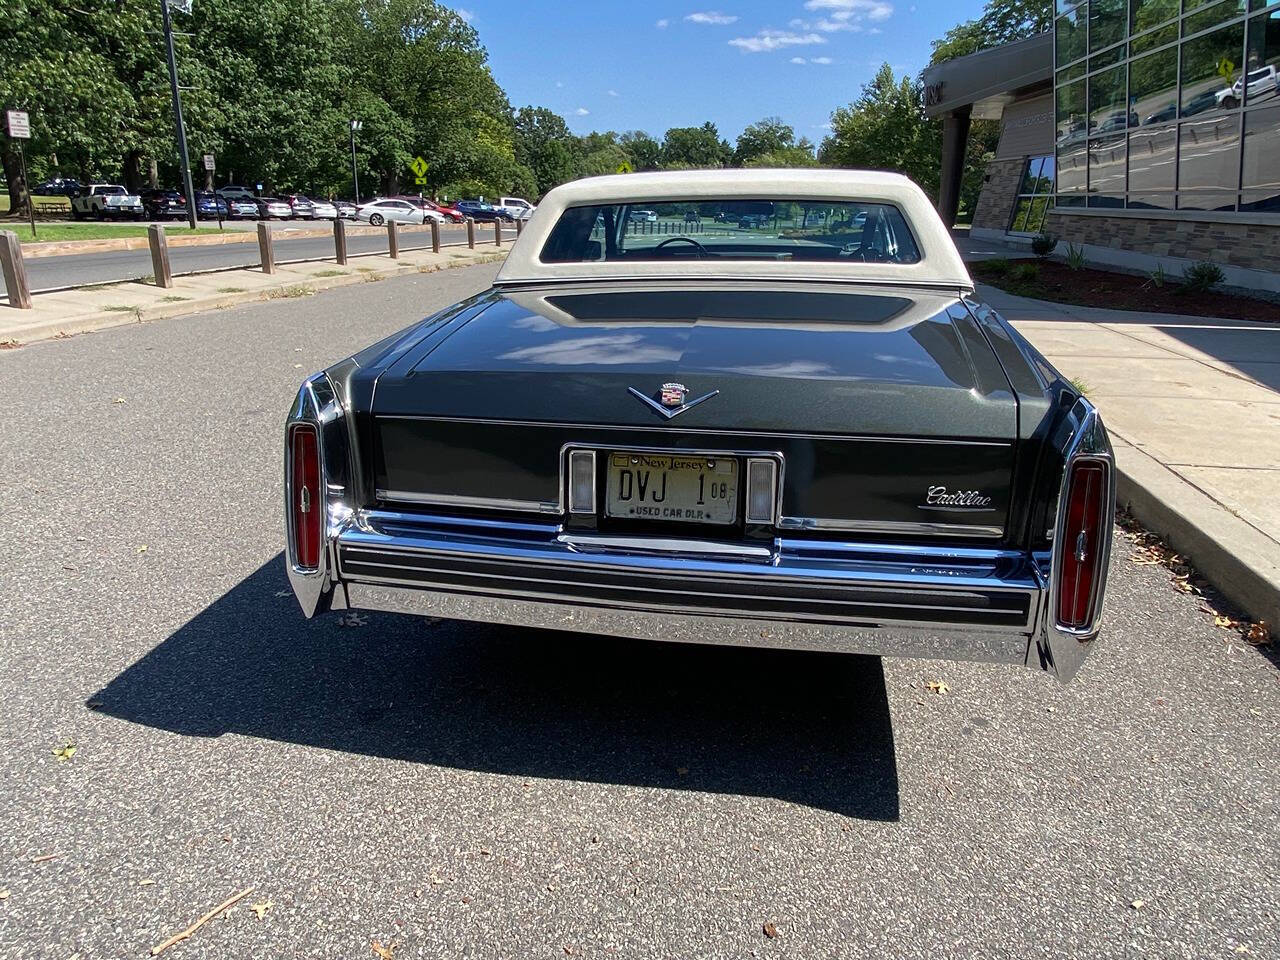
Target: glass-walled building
point(1168, 105)
point(1147, 131)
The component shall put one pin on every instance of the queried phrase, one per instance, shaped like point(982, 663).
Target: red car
point(450, 213)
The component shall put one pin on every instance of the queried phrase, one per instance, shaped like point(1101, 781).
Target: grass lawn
point(60, 232)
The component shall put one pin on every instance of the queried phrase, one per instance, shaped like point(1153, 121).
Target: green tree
point(644, 152)
point(799, 155)
point(886, 129)
point(767, 136)
point(544, 145)
point(1002, 21)
point(685, 147)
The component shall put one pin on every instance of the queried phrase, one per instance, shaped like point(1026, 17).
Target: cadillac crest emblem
point(673, 394)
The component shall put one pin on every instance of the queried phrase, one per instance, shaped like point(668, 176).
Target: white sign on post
point(18, 123)
point(208, 161)
point(182, 6)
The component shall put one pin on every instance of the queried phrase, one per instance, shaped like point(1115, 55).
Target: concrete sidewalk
point(94, 308)
point(1193, 406)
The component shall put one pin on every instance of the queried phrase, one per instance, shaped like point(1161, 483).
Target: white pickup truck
point(104, 200)
point(515, 208)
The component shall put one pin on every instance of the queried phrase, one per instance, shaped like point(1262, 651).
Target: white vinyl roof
point(940, 264)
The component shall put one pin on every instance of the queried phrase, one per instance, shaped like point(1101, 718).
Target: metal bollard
point(340, 240)
point(435, 236)
point(519, 227)
point(497, 232)
point(393, 240)
point(266, 249)
point(471, 233)
point(159, 255)
point(15, 272)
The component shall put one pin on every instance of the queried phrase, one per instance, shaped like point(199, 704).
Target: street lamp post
point(355, 174)
point(184, 5)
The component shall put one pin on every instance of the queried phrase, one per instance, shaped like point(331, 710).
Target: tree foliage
point(1002, 21)
point(886, 129)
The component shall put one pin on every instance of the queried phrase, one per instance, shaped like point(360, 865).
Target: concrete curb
point(1237, 558)
point(284, 289)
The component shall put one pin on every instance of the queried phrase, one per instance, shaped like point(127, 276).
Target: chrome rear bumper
point(959, 603)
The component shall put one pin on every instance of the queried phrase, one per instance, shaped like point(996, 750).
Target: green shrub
point(1075, 257)
point(1158, 276)
point(997, 267)
point(1025, 273)
point(1202, 277)
point(1043, 244)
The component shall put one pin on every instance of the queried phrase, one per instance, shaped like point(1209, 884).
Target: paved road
point(471, 791)
point(51, 272)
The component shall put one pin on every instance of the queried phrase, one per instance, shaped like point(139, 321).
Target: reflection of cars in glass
point(1200, 103)
point(1168, 112)
point(1264, 80)
point(643, 216)
point(528, 457)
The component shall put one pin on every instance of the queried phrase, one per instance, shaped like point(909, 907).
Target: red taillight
point(306, 505)
point(1082, 546)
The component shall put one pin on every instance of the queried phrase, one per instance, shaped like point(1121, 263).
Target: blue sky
point(646, 65)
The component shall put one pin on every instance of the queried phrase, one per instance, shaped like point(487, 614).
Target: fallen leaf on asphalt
point(1138, 904)
point(1259, 634)
point(384, 952)
point(261, 908)
point(4, 894)
point(45, 857)
point(119, 400)
point(770, 929)
point(65, 752)
point(146, 883)
point(1225, 622)
point(937, 686)
point(143, 548)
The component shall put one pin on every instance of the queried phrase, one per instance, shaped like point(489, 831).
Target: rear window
point(811, 231)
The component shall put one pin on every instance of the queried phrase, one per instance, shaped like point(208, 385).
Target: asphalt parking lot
point(465, 791)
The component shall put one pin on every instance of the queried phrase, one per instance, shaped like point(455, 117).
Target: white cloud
point(663, 23)
point(613, 93)
point(712, 18)
point(466, 15)
point(559, 84)
point(822, 60)
point(853, 9)
point(799, 60)
point(582, 111)
point(766, 41)
point(875, 30)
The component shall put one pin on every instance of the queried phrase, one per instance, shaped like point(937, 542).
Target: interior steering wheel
point(702, 251)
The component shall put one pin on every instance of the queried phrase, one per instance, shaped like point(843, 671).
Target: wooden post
point(159, 255)
point(519, 226)
point(340, 240)
point(15, 273)
point(393, 240)
point(435, 236)
point(497, 232)
point(266, 250)
point(471, 233)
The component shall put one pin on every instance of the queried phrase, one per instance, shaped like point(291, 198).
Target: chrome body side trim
point(474, 503)
point(1065, 648)
point(895, 527)
point(605, 543)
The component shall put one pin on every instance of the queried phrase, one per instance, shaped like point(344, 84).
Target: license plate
point(688, 489)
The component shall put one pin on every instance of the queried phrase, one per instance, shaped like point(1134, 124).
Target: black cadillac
point(804, 433)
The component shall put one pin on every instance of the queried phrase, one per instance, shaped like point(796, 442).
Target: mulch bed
point(1120, 291)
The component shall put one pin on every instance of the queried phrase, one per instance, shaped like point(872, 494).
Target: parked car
point(378, 212)
point(163, 204)
point(273, 208)
point(451, 213)
point(1263, 81)
point(301, 208)
point(1168, 112)
point(209, 206)
point(233, 192)
point(324, 210)
point(643, 216)
point(691, 216)
point(105, 201)
point(479, 210)
point(431, 211)
point(57, 187)
point(503, 472)
point(1205, 100)
point(515, 208)
point(346, 209)
point(239, 208)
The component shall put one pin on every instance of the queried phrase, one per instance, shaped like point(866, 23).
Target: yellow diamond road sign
point(624, 167)
point(419, 168)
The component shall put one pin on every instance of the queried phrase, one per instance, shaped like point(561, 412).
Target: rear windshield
point(807, 230)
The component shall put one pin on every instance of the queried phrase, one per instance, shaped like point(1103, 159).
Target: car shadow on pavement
point(809, 728)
